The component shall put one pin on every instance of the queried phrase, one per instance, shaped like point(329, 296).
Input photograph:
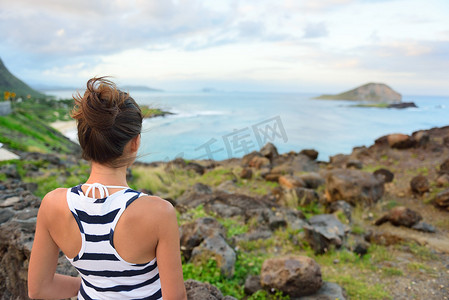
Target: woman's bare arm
point(42, 280)
point(168, 254)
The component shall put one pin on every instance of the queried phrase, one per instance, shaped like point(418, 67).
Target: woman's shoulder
point(54, 200)
point(155, 206)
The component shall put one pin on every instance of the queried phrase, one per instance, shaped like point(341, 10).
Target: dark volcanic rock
point(402, 105)
point(328, 291)
point(353, 186)
point(290, 181)
point(424, 227)
point(324, 231)
point(252, 284)
point(400, 141)
point(310, 153)
point(269, 151)
point(400, 216)
point(361, 248)
point(419, 184)
point(341, 206)
point(384, 174)
point(442, 199)
point(215, 247)
point(246, 173)
point(444, 167)
point(306, 196)
point(312, 180)
point(197, 290)
point(293, 275)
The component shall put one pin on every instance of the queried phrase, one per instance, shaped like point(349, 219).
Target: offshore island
point(371, 224)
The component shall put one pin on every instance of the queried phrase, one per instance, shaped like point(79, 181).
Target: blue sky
point(322, 46)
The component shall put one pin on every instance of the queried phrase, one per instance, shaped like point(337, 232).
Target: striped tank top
point(104, 274)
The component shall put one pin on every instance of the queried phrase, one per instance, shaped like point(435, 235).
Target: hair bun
point(99, 113)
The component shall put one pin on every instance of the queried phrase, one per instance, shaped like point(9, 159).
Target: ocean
point(221, 125)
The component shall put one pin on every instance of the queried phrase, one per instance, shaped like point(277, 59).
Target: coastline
point(67, 128)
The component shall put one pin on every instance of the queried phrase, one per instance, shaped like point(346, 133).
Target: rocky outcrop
point(376, 92)
point(323, 232)
point(400, 216)
point(194, 233)
point(353, 186)
point(197, 290)
point(402, 105)
point(442, 199)
point(419, 184)
point(216, 248)
point(293, 275)
point(328, 291)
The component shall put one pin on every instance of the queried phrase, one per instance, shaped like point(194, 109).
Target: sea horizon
point(220, 125)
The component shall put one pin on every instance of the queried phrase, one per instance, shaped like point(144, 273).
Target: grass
point(416, 266)
point(23, 130)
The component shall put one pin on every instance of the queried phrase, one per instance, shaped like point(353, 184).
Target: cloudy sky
point(248, 45)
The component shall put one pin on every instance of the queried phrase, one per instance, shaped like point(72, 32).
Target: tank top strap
point(103, 189)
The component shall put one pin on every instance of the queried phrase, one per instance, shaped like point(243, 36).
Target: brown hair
point(107, 120)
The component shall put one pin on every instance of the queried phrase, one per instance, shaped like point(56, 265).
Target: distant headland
point(373, 92)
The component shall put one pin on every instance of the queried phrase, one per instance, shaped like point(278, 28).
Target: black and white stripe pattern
point(105, 275)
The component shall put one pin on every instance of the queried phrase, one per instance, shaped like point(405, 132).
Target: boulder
point(194, 233)
point(419, 184)
point(197, 290)
point(384, 174)
point(400, 216)
point(421, 137)
point(259, 162)
point(339, 160)
point(252, 284)
point(274, 177)
point(312, 180)
point(198, 189)
point(310, 153)
point(290, 181)
point(294, 163)
point(216, 248)
point(442, 199)
point(444, 167)
point(343, 207)
point(246, 173)
point(248, 157)
point(424, 227)
point(324, 231)
point(353, 186)
point(269, 151)
point(306, 196)
point(442, 180)
point(197, 168)
point(354, 164)
point(400, 141)
point(328, 291)
point(293, 275)
point(361, 248)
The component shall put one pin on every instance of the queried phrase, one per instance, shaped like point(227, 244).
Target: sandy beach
point(67, 128)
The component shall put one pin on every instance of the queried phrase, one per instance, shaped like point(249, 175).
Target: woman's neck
point(107, 175)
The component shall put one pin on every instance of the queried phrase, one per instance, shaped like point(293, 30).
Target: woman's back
point(105, 274)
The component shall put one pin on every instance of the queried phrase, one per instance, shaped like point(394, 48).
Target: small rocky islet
point(369, 224)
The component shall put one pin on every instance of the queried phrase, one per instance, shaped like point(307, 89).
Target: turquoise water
point(223, 125)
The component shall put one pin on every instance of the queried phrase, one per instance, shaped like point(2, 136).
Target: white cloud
point(296, 43)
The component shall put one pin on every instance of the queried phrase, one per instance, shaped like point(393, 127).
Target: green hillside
point(10, 83)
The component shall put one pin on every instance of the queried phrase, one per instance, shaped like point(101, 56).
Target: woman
point(124, 244)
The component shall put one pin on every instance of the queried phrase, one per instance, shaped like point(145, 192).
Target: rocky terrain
point(372, 224)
